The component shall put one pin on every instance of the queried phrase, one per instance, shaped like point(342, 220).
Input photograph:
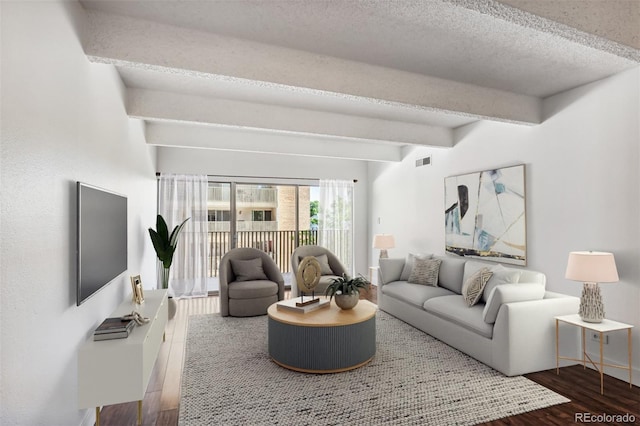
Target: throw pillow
point(323, 260)
point(473, 287)
point(325, 269)
point(408, 264)
point(425, 272)
point(248, 270)
point(501, 275)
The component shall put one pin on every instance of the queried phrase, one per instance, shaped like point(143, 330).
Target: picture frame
point(137, 291)
point(485, 215)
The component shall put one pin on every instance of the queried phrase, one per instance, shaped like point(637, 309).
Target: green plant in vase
point(346, 290)
point(165, 245)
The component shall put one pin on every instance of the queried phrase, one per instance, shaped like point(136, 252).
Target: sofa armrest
point(524, 334)
point(510, 293)
point(390, 270)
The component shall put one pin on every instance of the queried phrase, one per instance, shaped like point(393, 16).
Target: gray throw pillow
point(248, 270)
point(425, 272)
point(325, 269)
point(501, 275)
point(408, 264)
point(472, 288)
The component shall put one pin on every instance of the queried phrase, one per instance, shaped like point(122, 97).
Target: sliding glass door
point(273, 218)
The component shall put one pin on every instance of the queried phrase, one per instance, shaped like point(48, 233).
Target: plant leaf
point(173, 240)
point(161, 227)
point(159, 244)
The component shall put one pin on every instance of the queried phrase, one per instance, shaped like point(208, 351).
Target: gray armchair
point(335, 267)
point(250, 282)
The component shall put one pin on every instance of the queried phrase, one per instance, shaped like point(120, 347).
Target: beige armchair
point(331, 267)
point(250, 282)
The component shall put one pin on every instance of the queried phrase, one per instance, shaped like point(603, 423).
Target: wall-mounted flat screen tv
point(102, 238)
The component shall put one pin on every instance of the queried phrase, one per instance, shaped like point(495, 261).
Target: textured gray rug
point(414, 379)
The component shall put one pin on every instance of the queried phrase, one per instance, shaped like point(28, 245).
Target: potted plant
point(346, 290)
point(165, 245)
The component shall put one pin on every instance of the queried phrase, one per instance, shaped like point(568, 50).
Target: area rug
point(414, 379)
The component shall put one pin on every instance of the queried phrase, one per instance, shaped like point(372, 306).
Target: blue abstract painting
point(485, 215)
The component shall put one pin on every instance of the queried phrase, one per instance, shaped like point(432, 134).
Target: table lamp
point(383, 242)
point(591, 268)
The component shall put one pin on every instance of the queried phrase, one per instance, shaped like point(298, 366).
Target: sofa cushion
point(409, 262)
point(474, 286)
point(252, 289)
point(509, 293)
point(454, 309)
point(425, 272)
point(501, 275)
point(391, 269)
point(248, 270)
point(451, 273)
point(414, 294)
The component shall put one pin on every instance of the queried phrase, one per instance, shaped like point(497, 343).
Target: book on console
point(114, 325)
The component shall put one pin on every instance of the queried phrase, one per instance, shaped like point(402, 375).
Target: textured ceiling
point(375, 72)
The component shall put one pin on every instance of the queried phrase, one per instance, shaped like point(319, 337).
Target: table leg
point(557, 349)
point(139, 412)
point(630, 369)
point(584, 351)
point(97, 416)
point(601, 366)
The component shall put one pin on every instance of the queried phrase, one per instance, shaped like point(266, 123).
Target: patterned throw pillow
point(408, 264)
point(473, 287)
point(425, 272)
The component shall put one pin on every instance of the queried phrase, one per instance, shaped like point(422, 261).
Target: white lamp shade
point(591, 267)
point(384, 241)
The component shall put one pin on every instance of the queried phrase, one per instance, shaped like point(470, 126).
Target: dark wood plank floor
point(160, 405)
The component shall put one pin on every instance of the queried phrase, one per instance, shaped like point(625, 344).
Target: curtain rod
point(262, 177)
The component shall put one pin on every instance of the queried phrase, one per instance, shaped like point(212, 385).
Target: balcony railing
point(278, 244)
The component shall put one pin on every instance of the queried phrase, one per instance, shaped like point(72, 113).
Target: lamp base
point(591, 306)
point(384, 254)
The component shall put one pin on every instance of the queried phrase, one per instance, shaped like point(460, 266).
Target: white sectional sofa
point(512, 329)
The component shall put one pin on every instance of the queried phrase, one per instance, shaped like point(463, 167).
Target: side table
point(602, 327)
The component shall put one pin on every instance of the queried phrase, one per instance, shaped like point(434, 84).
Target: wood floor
point(160, 405)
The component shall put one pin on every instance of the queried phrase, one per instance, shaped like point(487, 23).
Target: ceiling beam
point(229, 138)
point(152, 105)
point(129, 42)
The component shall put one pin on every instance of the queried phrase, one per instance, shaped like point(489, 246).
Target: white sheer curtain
point(181, 197)
point(335, 219)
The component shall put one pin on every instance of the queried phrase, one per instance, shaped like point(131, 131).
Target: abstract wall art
point(485, 215)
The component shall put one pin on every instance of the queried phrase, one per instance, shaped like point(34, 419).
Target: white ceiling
point(374, 74)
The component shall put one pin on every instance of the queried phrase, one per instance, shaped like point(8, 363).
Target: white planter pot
point(347, 301)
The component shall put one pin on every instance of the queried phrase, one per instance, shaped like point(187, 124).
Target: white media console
point(117, 371)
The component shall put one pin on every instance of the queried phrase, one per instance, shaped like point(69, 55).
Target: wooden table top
point(331, 316)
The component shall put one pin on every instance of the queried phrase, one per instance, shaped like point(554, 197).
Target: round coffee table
point(327, 340)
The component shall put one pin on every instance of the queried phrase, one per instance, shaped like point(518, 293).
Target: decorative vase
point(347, 301)
point(164, 278)
point(173, 307)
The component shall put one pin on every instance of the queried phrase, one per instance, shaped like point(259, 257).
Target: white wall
point(227, 163)
point(582, 190)
point(63, 120)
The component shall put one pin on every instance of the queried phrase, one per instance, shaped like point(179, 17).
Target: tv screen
point(102, 238)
